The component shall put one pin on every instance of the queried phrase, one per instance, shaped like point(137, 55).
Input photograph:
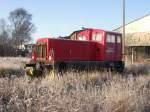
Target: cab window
point(118, 39)
point(82, 38)
point(73, 36)
point(38, 51)
point(44, 51)
point(110, 38)
point(41, 50)
point(97, 37)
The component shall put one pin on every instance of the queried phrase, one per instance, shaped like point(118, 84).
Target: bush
point(6, 50)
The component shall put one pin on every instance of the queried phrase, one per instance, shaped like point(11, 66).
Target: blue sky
point(61, 17)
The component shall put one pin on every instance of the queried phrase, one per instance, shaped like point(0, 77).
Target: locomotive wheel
point(45, 72)
point(61, 69)
point(119, 68)
point(39, 69)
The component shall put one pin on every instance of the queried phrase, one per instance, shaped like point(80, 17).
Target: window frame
point(97, 36)
point(41, 50)
point(110, 38)
point(118, 37)
point(82, 38)
point(113, 39)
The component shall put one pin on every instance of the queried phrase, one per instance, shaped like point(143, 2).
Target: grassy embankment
point(76, 92)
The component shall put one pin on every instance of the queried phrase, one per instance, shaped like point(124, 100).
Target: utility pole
point(124, 13)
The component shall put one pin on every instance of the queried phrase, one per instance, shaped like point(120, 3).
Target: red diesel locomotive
point(87, 48)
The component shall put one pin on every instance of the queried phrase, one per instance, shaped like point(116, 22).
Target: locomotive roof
point(67, 37)
point(93, 29)
point(84, 30)
point(40, 40)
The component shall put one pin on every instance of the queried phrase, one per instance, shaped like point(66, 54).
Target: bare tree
point(6, 48)
point(21, 26)
point(3, 32)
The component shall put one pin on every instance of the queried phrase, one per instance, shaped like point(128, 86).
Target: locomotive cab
point(108, 46)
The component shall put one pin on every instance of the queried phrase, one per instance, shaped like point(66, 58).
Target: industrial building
point(137, 39)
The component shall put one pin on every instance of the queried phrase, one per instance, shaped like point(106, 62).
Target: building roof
point(133, 21)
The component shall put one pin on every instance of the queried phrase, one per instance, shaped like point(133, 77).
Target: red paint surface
point(89, 50)
point(72, 50)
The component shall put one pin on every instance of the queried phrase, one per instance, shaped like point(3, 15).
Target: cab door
point(110, 47)
point(97, 37)
point(119, 47)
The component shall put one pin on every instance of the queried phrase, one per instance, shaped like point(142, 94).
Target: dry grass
point(77, 92)
point(12, 62)
point(12, 66)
